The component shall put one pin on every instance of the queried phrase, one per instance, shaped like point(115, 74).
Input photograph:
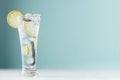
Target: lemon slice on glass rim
point(12, 18)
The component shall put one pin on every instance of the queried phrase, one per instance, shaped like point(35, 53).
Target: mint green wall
point(74, 34)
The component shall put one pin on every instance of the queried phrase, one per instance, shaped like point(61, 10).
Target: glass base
point(29, 73)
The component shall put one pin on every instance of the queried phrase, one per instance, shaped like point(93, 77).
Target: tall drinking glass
point(28, 28)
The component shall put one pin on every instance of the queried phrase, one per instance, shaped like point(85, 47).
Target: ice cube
point(32, 39)
point(36, 19)
point(25, 41)
point(30, 60)
point(28, 17)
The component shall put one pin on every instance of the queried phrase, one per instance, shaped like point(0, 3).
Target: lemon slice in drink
point(29, 28)
point(27, 49)
point(12, 18)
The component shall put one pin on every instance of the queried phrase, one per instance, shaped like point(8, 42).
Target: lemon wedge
point(12, 18)
point(29, 28)
point(27, 49)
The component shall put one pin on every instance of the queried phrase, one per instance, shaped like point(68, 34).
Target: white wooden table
point(8, 74)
